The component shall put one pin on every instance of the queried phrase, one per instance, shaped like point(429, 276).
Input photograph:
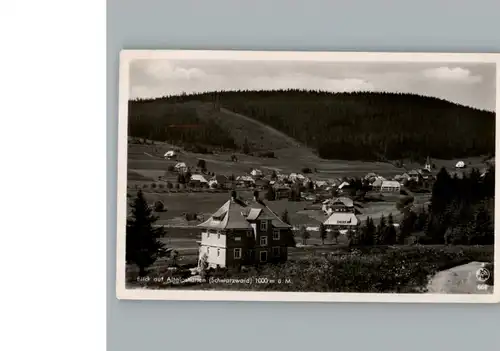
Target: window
point(263, 256)
point(237, 238)
point(263, 240)
point(237, 253)
point(276, 251)
point(218, 252)
point(263, 226)
point(276, 234)
point(249, 233)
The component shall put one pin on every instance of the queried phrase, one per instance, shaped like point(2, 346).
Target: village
point(227, 220)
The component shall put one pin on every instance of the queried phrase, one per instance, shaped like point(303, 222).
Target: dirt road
point(458, 280)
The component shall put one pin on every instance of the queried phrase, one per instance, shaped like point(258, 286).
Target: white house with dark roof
point(390, 186)
point(341, 221)
point(338, 204)
point(181, 167)
point(241, 233)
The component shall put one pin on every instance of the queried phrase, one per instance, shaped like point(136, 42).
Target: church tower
point(428, 164)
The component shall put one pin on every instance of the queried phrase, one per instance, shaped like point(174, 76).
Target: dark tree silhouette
point(143, 246)
point(322, 233)
point(284, 217)
point(270, 194)
point(202, 164)
point(246, 147)
point(390, 237)
point(304, 234)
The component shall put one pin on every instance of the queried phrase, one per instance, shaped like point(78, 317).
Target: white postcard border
point(126, 56)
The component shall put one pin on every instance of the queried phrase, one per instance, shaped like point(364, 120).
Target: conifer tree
point(322, 233)
point(390, 236)
point(270, 194)
point(304, 234)
point(381, 231)
point(246, 147)
point(284, 217)
point(143, 246)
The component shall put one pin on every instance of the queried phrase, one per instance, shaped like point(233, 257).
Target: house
point(220, 181)
point(198, 180)
point(320, 184)
point(181, 167)
point(256, 173)
point(245, 181)
point(341, 221)
point(460, 164)
point(281, 191)
point(240, 233)
point(343, 186)
point(425, 173)
point(377, 184)
point(170, 154)
point(390, 186)
point(296, 177)
point(370, 176)
point(413, 175)
point(338, 204)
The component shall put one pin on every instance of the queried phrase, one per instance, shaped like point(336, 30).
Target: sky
point(470, 84)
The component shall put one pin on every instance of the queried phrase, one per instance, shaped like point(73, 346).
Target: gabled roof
point(254, 214)
point(343, 200)
point(235, 214)
point(342, 218)
point(343, 185)
point(390, 184)
point(199, 178)
point(229, 216)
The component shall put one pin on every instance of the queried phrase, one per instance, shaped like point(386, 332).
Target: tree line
point(364, 126)
point(162, 121)
point(461, 212)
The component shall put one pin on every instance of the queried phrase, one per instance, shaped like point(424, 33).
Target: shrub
point(306, 170)
point(171, 168)
point(190, 216)
point(169, 185)
point(159, 206)
point(153, 186)
point(145, 186)
point(161, 186)
point(373, 270)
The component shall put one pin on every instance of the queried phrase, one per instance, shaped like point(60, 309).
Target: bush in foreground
point(377, 270)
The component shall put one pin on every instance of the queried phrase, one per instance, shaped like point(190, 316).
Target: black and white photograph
point(307, 176)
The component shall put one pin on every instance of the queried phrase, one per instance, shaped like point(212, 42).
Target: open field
point(148, 160)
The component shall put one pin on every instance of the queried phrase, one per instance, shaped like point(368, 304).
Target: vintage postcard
point(307, 176)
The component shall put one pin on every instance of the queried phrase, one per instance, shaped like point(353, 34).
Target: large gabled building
point(244, 233)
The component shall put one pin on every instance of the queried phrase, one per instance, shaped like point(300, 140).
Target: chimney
point(233, 195)
point(256, 196)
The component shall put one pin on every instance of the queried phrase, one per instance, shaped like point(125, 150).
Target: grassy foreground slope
point(359, 126)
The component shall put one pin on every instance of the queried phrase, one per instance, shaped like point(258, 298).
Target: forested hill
point(364, 126)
